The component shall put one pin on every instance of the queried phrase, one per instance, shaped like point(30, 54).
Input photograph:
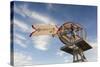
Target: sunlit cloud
point(60, 53)
point(91, 54)
point(65, 56)
point(22, 25)
point(49, 6)
point(68, 59)
point(24, 11)
point(21, 59)
point(20, 40)
point(20, 36)
point(41, 42)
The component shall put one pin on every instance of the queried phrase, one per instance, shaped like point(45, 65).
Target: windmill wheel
point(70, 32)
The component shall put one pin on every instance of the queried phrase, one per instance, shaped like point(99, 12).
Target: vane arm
point(32, 33)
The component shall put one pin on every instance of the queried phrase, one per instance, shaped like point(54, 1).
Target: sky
point(46, 49)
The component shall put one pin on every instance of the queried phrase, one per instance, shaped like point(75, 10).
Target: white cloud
point(60, 53)
point(91, 54)
point(50, 6)
point(24, 11)
point(22, 26)
point(19, 10)
point(41, 42)
point(68, 59)
point(65, 56)
point(93, 44)
point(20, 36)
point(40, 17)
point(20, 40)
point(21, 59)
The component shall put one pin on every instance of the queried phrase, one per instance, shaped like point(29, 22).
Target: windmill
point(72, 35)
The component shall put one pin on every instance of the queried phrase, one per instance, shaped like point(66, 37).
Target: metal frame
point(78, 55)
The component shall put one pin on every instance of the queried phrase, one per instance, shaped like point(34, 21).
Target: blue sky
point(46, 49)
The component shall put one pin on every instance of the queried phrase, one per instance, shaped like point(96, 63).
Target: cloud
point(93, 44)
point(21, 59)
point(40, 17)
point(41, 42)
point(49, 6)
point(65, 56)
point(24, 11)
point(91, 54)
point(20, 36)
point(60, 53)
point(22, 25)
point(20, 40)
point(19, 10)
point(68, 59)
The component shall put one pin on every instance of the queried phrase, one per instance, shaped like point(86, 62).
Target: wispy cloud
point(91, 54)
point(20, 40)
point(49, 6)
point(20, 10)
point(22, 25)
point(41, 42)
point(20, 36)
point(68, 59)
point(22, 59)
point(60, 53)
point(24, 11)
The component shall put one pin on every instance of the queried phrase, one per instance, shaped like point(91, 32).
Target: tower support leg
point(78, 55)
